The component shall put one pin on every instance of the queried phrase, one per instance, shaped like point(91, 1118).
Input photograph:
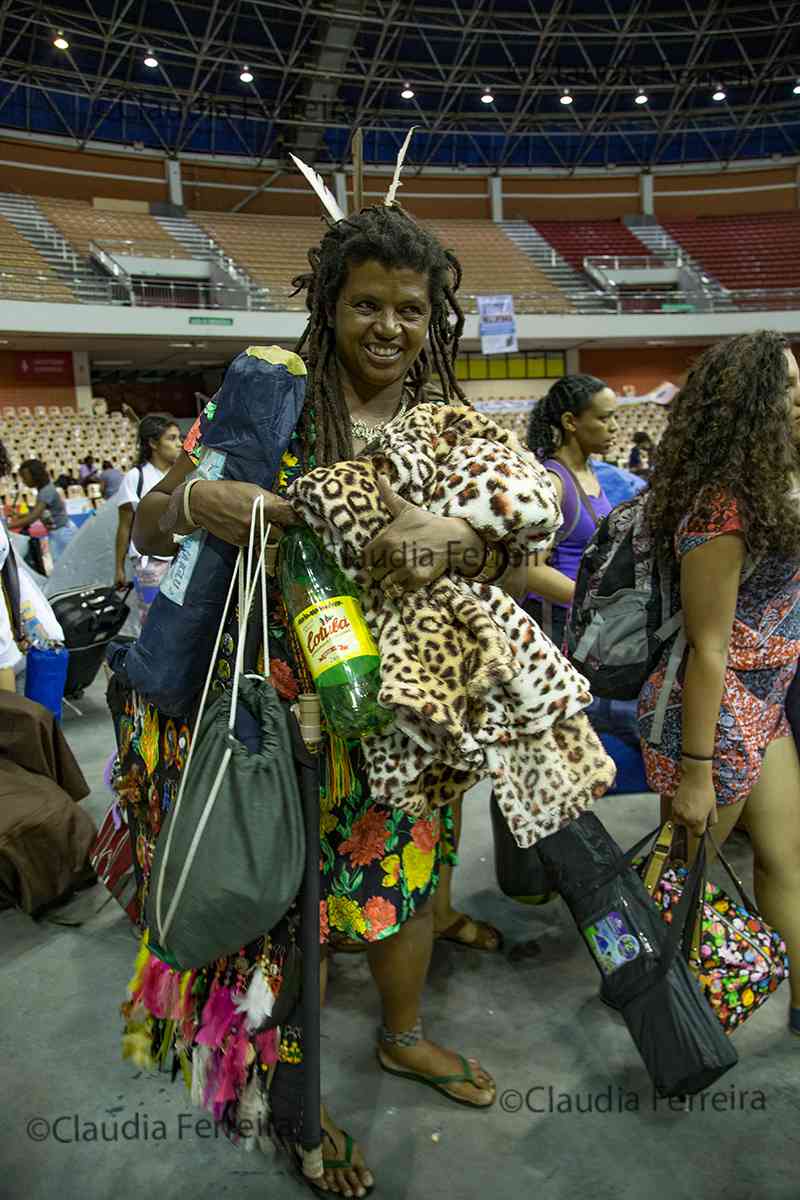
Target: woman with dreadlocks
point(723, 501)
point(384, 319)
point(576, 419)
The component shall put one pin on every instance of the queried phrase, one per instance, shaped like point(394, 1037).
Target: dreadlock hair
point(570, 394)
point(151, 428)
point(392, 238)
point(729, 433)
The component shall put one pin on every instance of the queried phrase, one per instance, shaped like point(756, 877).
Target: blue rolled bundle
point(244, 432)
point(45, 676)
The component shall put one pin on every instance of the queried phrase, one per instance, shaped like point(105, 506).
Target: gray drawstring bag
point(230, 857)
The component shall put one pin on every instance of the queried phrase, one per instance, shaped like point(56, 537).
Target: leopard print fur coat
point(477, 689)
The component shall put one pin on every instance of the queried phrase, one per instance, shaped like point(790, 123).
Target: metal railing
point(141, 247)
point(127, 291)
point(633, 262)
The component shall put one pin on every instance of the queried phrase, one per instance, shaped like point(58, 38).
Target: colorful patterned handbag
point(738, 959)
point(111, 856)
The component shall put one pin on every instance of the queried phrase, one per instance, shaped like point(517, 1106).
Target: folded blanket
point(477, 689)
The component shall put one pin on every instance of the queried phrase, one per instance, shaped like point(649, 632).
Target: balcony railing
point(18, 284)
point(634, 262)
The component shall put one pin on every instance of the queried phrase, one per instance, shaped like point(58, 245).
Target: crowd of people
point(723, 492)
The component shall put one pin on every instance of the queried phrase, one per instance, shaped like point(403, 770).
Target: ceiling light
point(641, 97)
point(60, 42)
point(487, 97)
point(565, 97)
point(150, 59)
point(246, 75)
point(719, 94)
point(796, 88)
point(181, 345)
point(407, 92)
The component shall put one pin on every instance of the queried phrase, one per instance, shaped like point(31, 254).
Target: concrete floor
point(531, 1015)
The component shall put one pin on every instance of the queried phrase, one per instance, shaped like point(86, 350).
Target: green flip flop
point(438, 1082)
point(330, 1164)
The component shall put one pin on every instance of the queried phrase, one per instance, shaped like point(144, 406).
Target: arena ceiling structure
point(492, 86)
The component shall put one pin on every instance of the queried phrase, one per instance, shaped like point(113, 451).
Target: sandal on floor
point(437, 1082)
point(451, 935)
point(295, 1158)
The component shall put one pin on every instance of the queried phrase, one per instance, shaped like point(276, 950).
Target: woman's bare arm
point(222, 506)
point(710, 581)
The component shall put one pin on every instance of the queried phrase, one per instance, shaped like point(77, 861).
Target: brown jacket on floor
point(44, 835)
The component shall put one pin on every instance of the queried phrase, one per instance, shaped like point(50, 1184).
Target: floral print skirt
point(378, 864)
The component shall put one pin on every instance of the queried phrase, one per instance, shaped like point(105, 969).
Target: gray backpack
point(230, 856)
point(626, 611)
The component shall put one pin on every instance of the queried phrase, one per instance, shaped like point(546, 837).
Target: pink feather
point(267, 1046)
point(233, 1073)
point(213, 1070)
point(152, 987)
point(218, 1016)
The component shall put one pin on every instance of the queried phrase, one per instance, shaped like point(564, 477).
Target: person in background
point(49, 508)
point(87, 471)
point(65, 481)
point(110, 479)
point(722, 501)
point(641, 455)
point(159, 449)
point(577, 418)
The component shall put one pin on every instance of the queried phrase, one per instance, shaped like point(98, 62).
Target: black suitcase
point(91, 618)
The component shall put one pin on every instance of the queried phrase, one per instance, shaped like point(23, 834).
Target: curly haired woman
point(723, 500)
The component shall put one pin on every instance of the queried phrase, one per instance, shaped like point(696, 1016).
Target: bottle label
point(333, 632)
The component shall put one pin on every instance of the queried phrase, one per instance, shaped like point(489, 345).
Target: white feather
point(318, 184)
point(200, 1056)
point(252, 1113)
point(257, 1002)
point(395, 184)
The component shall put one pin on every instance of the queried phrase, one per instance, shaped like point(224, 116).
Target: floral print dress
point(378, 867)
point(762, 660)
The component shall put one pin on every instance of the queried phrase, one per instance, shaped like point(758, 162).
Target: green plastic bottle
point(340, 652)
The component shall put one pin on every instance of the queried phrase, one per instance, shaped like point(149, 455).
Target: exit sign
point(210, 320)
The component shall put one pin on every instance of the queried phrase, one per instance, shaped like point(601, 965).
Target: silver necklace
point(365, 432)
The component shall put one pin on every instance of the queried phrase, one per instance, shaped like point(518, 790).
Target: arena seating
point(62, 438)
point(274, 250)
point(492, 264)
point(271, 250)
point(80, 223)
point(747, 252)
point(24, 274)
point(575, 240)
point(631, 418)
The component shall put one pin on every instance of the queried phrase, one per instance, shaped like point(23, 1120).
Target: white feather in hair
point(326, 196)
point(395, 184)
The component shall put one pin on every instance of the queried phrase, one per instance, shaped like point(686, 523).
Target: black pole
point(309, 944)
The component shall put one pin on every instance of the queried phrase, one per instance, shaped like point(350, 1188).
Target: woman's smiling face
point(381, 321)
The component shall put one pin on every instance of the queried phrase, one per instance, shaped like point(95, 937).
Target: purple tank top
point(566, 556)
